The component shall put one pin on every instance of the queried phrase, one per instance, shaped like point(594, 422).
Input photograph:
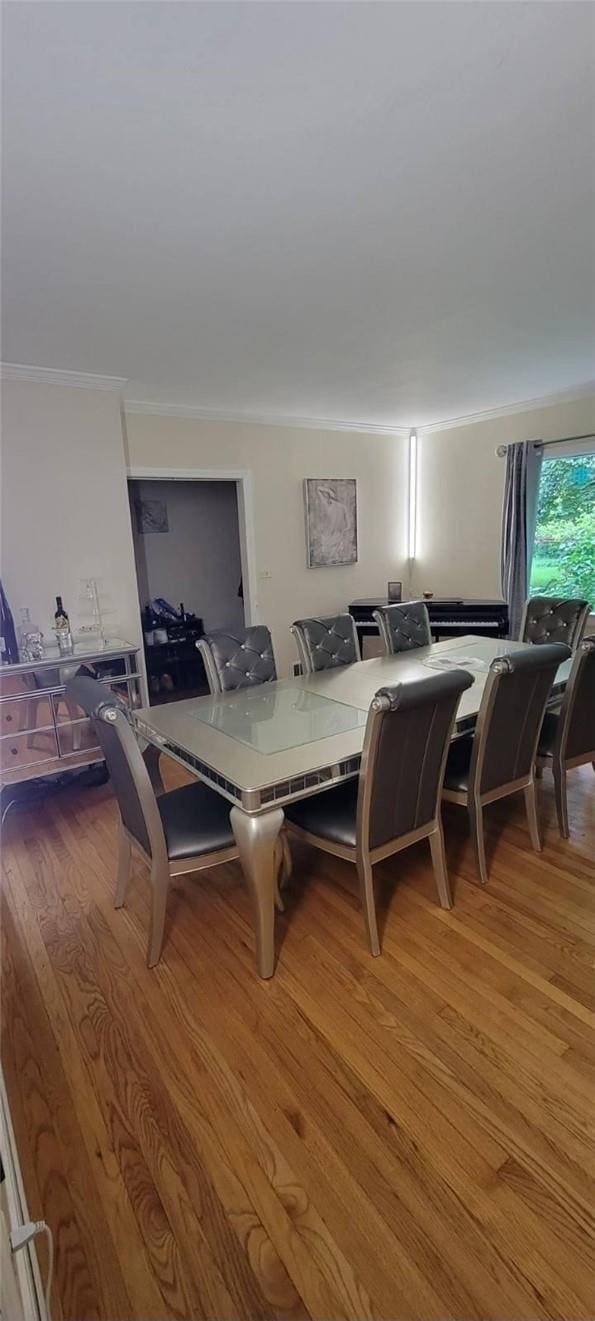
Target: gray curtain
point(523, 466)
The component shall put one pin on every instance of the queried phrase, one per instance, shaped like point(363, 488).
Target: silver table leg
point(256, 838)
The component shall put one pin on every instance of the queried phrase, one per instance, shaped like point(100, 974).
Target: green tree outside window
point(564, 548)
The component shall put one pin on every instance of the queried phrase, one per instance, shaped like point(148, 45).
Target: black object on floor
point(29, 792)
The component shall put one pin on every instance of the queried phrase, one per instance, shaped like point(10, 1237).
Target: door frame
point(245, 489)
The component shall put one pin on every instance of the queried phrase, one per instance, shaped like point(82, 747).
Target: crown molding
point(17, 371)
point(508, 410)
point(150, 407)
point(13, 371)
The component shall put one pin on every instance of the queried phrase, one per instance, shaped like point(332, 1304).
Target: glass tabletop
point(273, 718)
point(478, 651)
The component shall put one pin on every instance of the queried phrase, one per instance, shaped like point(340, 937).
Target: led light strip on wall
point(412, 537)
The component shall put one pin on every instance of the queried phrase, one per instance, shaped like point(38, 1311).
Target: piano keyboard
point(449, 617)
point(465, 625)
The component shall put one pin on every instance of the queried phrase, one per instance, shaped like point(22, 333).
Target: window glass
point(564, 547)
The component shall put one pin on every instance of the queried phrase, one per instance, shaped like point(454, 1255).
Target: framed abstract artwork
point(331, 521)
point(151, 516)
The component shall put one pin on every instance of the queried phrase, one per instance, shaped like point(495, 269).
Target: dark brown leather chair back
point(323, 644)
point(404, 627)
point(127, 770)
point(511, 713)
point(407, 736)
point(241, 659)
point(554, 619)
point(576, 724)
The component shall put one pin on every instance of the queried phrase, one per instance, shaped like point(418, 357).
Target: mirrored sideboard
point(41, 732)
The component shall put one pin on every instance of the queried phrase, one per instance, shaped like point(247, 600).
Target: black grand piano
point(450, 617)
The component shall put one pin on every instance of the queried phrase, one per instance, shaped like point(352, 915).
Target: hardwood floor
point(409, 1136)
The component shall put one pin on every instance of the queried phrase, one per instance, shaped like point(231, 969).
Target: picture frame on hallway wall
point(331, 521)
point(151, 516)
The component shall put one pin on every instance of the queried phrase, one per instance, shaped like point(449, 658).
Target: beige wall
point(279, 459)
point(64, 503)
point(461, 483)
point(65, 510)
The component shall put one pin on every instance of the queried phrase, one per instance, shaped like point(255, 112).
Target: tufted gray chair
point(567, 737)
point(185, 830)
point(403, 627)
point(554, 619)
point(500, 759)
point(238, 660)
point(324, 644)
point(396, 800)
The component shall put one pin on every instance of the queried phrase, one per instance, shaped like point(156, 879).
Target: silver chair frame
point(211, 669)
point(305, 655)
point(475, 801)
point(162, 869)
point(579, 628)
point(362, 855)
point(560, 763)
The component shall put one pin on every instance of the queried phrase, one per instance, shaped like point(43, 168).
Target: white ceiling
point(378, 213)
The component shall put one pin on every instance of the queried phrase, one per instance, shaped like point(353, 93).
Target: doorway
point(188, 556)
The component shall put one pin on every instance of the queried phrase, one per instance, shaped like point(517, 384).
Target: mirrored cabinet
point(41, 731)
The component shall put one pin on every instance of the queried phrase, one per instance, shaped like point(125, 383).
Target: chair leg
point(279, 866)
point(366, 882)
point(284, 869)
point(439, 865)
point(530, 794)
point(561, 799)
point(124, 852)
point(287, 867)
point(74, 715)
point(159, 892)
point(476, 822)
point(29, 719)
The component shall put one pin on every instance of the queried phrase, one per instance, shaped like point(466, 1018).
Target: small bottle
point(62, 627)
point(30, 638)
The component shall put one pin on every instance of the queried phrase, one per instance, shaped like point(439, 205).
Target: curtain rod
point(541, 444)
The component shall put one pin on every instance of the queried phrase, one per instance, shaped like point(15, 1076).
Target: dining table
point(265, 746)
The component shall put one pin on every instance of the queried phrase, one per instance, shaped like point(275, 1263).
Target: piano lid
point(371, 602)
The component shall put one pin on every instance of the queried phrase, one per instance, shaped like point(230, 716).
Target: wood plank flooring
point(403, 1137)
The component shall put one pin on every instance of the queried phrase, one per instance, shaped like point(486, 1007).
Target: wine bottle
point(8, 637)
point(62, 621)
point(62, 628)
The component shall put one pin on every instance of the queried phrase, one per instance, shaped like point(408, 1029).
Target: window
point(564, 547)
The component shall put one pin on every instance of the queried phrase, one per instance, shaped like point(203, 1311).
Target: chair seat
point(330, 815)
point(549, 729)
point(458, 762)
point(195, 821)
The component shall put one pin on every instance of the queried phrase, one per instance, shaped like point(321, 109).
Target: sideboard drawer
point(25, 713)
point(30, 749)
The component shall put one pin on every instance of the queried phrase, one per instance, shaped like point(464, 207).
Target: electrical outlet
point(297, 669)
point(264, 574)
